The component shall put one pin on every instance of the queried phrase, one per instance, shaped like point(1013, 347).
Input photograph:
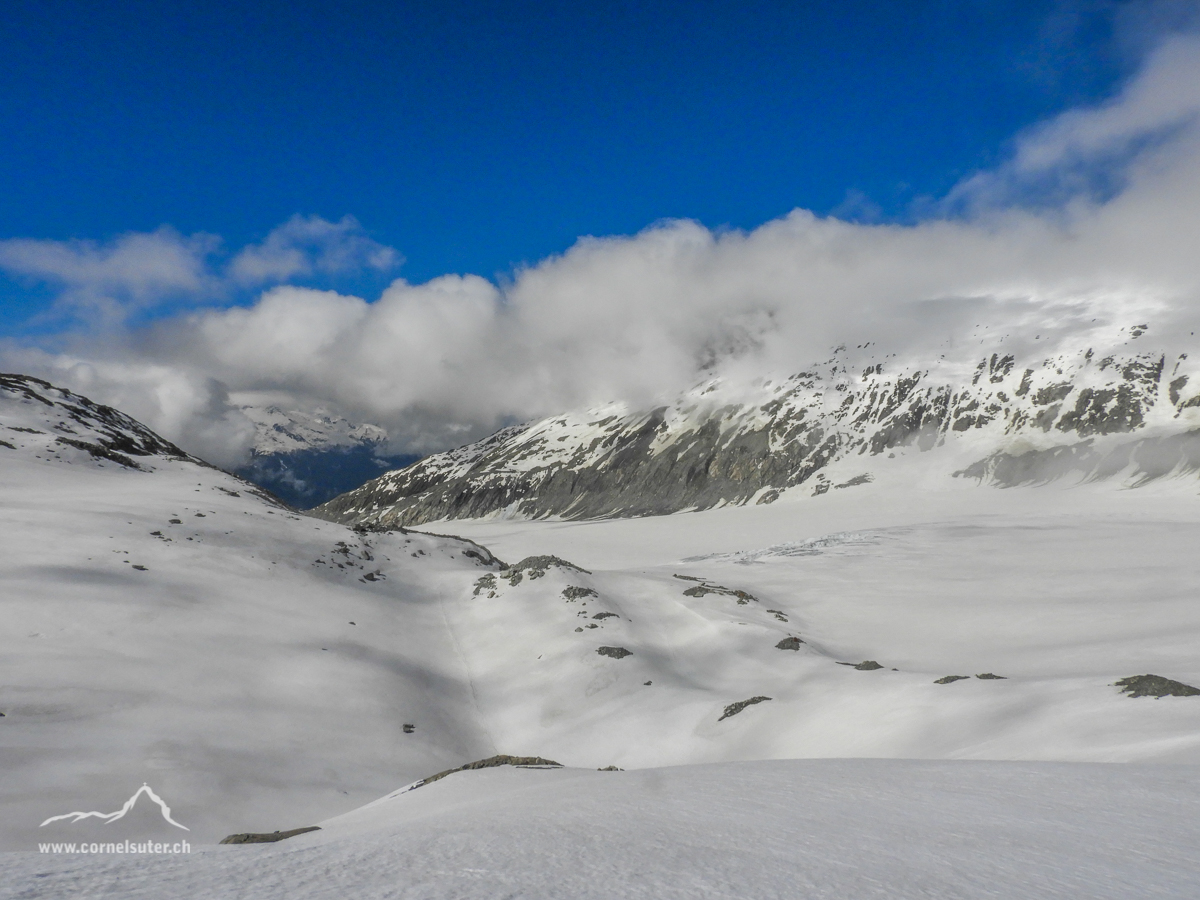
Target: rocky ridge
point(78, 427)
point(1128, 412)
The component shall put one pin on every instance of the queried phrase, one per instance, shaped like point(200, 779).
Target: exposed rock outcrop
point(78, 423)
point(1155, 686)
point(1076, 414)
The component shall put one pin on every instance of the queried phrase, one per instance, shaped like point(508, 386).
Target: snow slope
point(226, 673)
point(898, 830)
point(166, 624)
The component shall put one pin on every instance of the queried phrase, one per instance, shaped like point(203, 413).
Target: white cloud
point(108, 283)
point(107, 280)
point(637, 317)
point(305, 245)
point(1091, 151)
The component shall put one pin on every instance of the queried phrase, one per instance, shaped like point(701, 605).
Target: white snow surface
point(893, 829)
point(226, 673)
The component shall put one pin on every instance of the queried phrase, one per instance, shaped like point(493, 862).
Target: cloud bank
point(1092, 223)
point(305, 245)
point(109, 284)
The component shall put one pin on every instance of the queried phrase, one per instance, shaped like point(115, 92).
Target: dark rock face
point(704, 588)
point(700, 452)
point(1155, 686)
point(615, 652)
point(571, 592)
point(949, 679)
point(101, 431)
point(789, 643)
point(734, 708)
point(489, 763)
point(268, 837)
point(536, 567)
point(533, 566)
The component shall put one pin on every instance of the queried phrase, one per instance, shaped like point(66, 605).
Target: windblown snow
point(904, 689)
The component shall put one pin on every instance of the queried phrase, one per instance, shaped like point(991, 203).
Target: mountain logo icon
point(113, 816)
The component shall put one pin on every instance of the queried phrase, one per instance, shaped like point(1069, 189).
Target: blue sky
point(475, 137)
point(382, 211)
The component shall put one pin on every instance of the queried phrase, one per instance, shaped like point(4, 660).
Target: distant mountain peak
point(280, 430)
point(1124, 410)
point(308, 456)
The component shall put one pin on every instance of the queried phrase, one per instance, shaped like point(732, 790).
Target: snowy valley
point(890, 664)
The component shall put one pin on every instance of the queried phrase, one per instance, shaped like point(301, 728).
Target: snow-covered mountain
point(46, 422)
point(1124, 411)
point(165, 624)
point(165, 621)
point(308, 457)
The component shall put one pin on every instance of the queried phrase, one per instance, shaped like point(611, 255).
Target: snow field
point(894, 829)
point(263, 670)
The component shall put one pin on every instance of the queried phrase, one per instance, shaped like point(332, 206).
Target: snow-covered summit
point(49, 422)
point(280, 430)
point(1122, 410)
point(307, 456)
